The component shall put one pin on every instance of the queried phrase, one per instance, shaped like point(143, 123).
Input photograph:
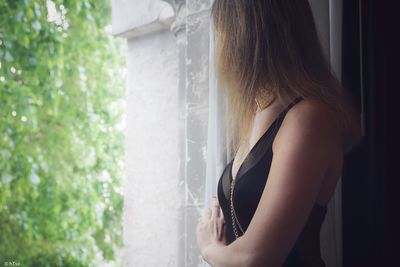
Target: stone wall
point(151, 184)
point(168, 55)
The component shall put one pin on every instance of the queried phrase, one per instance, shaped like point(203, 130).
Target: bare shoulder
point(309, 122)
point(312, 112)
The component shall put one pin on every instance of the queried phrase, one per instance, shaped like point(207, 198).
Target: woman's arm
point(302, 151)
point(233, 255)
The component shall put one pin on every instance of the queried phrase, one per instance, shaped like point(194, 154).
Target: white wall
point(152, 199)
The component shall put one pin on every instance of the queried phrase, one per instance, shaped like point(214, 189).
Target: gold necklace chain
point(233, 213)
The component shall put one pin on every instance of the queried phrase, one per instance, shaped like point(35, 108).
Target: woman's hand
point(211, 229)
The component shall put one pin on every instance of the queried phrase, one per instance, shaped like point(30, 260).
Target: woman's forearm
point(218, 255)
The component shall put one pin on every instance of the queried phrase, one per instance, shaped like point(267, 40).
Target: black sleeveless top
point(249, 185)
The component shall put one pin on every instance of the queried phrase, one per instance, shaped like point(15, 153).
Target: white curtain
point(328, 17)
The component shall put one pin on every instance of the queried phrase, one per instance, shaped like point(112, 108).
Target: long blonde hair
point(271, 47)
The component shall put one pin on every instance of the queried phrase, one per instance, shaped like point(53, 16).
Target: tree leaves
point(59, 82)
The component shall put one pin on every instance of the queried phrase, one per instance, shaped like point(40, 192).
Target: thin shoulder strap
point(294, 102)
point(283, 113)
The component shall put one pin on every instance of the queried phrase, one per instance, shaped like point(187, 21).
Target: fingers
point(220, 223)
point(223, 237)
point(206, 215)
point(216, 207)
point(215, 200)
point(213, 213)
point(218, 219)
point(213, 221)
point(209, 213)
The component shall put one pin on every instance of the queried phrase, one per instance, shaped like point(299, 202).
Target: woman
point(291, 125)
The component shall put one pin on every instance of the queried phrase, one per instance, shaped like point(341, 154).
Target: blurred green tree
point(62, 85)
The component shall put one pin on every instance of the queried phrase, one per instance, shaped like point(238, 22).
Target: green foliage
point(61, 98)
